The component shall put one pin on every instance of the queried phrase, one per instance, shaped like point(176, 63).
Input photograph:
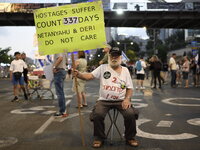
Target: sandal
point(81, 106)
point(133, 143)
point(97, 144)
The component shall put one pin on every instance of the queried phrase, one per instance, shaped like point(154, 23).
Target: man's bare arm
point(58, 61)
point(84, 76)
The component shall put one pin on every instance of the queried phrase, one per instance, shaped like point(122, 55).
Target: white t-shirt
point(17, 65)
point(172, 63)
point(143, 66)
point(112, 85)
point(63, 62)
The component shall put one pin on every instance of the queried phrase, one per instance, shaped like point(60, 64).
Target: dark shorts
point(185, 75)
point(19, 81)
point(140, 76)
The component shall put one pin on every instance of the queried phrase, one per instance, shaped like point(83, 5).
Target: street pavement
point(169, 119)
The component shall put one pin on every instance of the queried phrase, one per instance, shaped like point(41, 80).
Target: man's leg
point(99, 113)
point(59, 86)
point(15, 90)
point(174, 77)
point(129, 121)
point(21, 82)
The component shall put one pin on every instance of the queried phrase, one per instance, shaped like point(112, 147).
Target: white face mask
point(114, 62)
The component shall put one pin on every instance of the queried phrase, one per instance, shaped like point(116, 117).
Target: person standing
point(165, 71)
point(59, 72)
point(140, 66)
point(151, 60)
point(186, 69)
point(105, 58)
point(157, 65)
point(25, 72)
point(81, 66)
point(193, 67)
point(16, 75)
point(172, 65)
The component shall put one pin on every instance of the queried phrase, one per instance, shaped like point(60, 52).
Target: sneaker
point(58, 114)
point(15, 99)
point(142, 87)
point(136, 87)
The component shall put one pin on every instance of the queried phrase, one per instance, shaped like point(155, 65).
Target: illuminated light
point(120, 11)
point(131, 43)
point(118, 43)
point(144, 27)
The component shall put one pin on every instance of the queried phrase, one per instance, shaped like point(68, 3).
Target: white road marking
point(136, 100)
point(74, 115)
point(66, 96)
point(168, 101)
point(139, 105)
point(164, 123)
point(195, 121)
point(181, 136)
point(31, 110)
point(4, 142)
point(22, 111)
point(168, 114)
point(48, 112)
point(57, 119)
point(45, 125)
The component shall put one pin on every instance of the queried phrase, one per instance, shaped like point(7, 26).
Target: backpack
point(139, 66)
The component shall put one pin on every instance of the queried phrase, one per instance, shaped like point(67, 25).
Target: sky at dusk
point(21, 38)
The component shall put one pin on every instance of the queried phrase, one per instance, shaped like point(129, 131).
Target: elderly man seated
point(116, 89)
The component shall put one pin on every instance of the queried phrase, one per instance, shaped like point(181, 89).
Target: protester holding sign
point(70, 27)
point(116, 90)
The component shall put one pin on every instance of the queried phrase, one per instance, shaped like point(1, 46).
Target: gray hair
point(108, 46)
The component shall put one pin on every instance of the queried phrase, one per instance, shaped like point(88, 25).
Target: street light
point(120, 11)
point(125, 45)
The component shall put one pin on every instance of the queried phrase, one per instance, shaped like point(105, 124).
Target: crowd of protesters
point(178, 72)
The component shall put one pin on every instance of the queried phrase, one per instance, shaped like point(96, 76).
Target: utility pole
point(154, 41)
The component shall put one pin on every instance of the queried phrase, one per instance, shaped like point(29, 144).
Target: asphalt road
point(169, 120)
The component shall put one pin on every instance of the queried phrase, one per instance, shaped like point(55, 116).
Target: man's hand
point(126, 104)
point(55, 70)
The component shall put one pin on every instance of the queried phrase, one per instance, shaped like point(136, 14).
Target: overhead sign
point(35, 1)
point(70, 28)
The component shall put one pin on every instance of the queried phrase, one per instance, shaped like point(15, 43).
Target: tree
point(176, 41)
point(131, 55)
point(4, 57)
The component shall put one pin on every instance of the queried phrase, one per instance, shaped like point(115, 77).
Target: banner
point(70, 28)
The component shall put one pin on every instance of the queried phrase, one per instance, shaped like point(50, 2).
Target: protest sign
point(73, 27)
